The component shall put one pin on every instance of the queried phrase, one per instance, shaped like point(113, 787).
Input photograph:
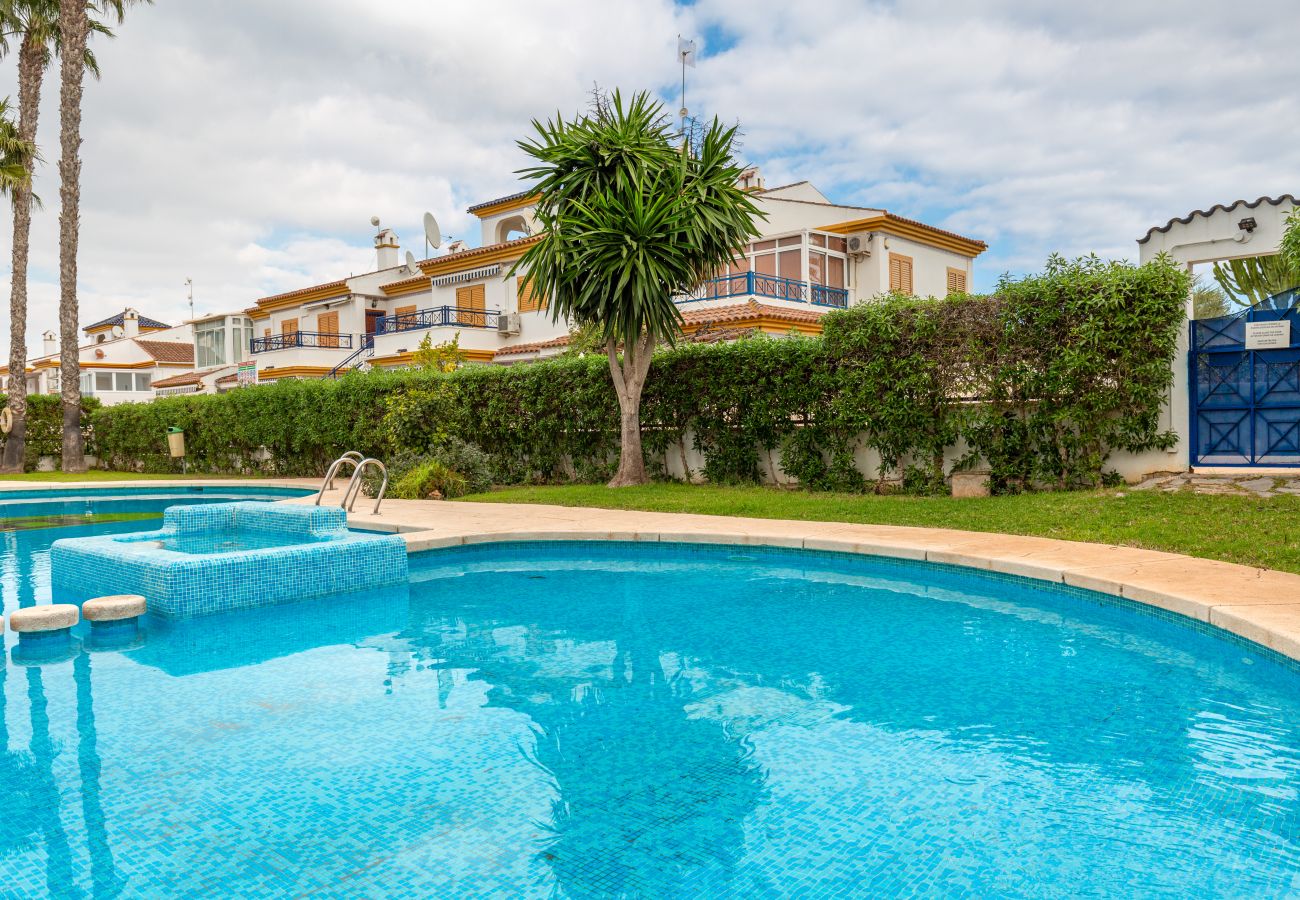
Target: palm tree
point(35, 25)
point(631, 219)
point(75, 28)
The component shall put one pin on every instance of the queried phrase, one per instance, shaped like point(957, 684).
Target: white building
point(813, 256)
point(123, 357)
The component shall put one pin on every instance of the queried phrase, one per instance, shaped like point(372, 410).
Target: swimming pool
point(660, 720)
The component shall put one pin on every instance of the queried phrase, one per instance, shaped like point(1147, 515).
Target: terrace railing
point(756, 284)
point(324, 340)
point(458, 316)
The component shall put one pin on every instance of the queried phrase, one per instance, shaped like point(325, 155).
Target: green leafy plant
point(1040, 382)
point(430, 480)
point(444, 357)
point(629, 219)
point(1289, 249)
point(1251, 281)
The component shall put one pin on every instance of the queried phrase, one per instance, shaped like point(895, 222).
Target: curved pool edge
point(1259, 605)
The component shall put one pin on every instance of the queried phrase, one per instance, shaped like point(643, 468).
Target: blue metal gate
point(1245, 404)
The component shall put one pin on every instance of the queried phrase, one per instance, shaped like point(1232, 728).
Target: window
point(471, 302)
point(956, 281)
point(143, 381)
point(103, 381)
point(53, 383)
point(527, 293)
point(122, 381)
point(87, 384)
point(900, 273)
point(210, 344)
point(289, 331)
point(241, 337)
point(405, 318)
point(327, 323)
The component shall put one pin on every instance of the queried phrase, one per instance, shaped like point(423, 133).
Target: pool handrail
point(328, 482)
point(353, 490)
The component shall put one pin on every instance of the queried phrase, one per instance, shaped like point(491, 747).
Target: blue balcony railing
point(317, 339)
point(459, 316)
point(756, 284)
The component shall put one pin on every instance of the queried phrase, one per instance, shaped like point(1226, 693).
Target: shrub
point(430, 480)
point(1043, 380)
point(45, 426)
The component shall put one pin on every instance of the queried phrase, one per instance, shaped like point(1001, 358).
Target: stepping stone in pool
point(48, 617)
point(114, 620)
point(44, 632)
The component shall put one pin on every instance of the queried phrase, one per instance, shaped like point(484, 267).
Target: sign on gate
point(246, 373)
point(1268, 335)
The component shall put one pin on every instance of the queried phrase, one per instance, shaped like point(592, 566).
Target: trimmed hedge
point(45, 426)
point(1043, 380)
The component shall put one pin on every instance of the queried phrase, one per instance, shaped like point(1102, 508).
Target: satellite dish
point(374, 220)
point(118, 331)
point(411, 267)
point(432, 233)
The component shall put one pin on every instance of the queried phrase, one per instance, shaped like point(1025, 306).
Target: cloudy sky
point(246, 143)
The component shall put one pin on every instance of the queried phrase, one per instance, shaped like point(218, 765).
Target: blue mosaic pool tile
point(315, 555)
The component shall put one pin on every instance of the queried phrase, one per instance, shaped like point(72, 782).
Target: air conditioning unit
point(860, 244)
point(508, 323)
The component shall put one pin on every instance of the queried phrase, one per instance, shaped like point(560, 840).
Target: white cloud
point(246, 144)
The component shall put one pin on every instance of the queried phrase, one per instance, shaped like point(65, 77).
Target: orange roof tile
point(168, 351)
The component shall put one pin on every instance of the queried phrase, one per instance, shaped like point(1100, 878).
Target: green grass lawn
point(1258, 532)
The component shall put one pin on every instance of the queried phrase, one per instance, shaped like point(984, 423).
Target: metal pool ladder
point(353, 490)
point(354, 486)
point(352, 456)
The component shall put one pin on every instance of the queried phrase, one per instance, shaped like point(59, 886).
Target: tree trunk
point(31, 69)
point(74, 24)
point(629, 378)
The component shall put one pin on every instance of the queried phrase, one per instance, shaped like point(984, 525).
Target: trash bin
point(176, 441)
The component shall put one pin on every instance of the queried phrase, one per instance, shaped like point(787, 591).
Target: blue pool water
point(592, 721)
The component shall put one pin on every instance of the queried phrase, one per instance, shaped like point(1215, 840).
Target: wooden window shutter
point(527, 293)
point(956, 281)
point(900, 273)
point(404, 310)
point(472, 300)
point(328, 323)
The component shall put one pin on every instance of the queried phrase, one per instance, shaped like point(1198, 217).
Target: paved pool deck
point(1261, 605)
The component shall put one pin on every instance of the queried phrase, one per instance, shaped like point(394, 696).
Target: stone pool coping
point(1261, 605)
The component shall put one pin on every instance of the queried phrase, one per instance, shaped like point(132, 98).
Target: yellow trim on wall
point(331, 291)
point(487, 212)
point(897, 226)
point(416, 285)
point(398, 360)
point(292, 372)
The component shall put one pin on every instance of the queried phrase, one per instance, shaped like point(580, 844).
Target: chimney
point(386, 249)
point(131, 323)
point(50, 344)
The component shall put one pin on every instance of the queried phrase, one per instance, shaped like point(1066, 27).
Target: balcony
point(458, 316)
point(323, 340)
point(755, 284)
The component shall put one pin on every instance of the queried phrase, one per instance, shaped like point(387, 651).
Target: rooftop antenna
point(685, 55)
point(189, 283)
point(432, 234)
